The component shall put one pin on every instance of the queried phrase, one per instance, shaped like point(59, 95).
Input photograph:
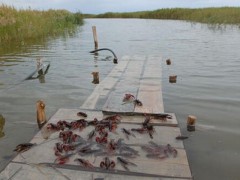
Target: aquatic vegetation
point(222, 15)
point(22, 25)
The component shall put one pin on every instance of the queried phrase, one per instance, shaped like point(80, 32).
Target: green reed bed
point(20, 25)
point(223, 15)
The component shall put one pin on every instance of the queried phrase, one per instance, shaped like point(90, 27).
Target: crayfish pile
point(98, 143)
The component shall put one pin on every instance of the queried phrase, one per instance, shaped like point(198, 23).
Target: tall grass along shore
point(223, 15)
point(22, 25)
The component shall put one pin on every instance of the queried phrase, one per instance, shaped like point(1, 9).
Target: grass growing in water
point(22, 25)
point(223, 15)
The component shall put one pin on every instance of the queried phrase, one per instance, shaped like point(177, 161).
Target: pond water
point(205, 58)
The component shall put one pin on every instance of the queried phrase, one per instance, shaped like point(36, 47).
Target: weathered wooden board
point(153, 67)
point(138, 118)
point(16, 171)
point(106, 85)
point(115, 99)
point(114, 102)
point(150, 90)
point(128, 83)
point(142, 79)
point(152, 102)
point(71, 114)
point(173, 167)
point(134, 69)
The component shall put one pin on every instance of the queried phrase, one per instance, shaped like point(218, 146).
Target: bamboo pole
point(94, 30)
point(41, 116)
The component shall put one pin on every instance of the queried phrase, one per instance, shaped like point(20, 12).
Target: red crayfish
point(107, 163)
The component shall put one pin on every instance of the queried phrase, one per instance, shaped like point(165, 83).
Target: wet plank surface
point(40, 172)
point(103, 89)
point(128, 83)
point(140, 76)
point(144, 83)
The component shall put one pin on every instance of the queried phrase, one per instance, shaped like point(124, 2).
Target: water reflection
point(37, 43)
point(95, 59)
point(107, 58)
point(95, 74)
point(115, 59)
point(218, 27)
point(27, 46)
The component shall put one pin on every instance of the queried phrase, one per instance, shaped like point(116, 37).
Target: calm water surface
point(205, 59)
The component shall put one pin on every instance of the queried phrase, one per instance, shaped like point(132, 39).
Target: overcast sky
point(101, 6)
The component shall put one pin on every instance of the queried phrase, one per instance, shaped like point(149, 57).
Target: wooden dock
point(137, 75)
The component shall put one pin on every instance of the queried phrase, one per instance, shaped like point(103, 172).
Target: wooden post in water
point(168, 61)
point(95, 77)
point(191, 121)
point(173, 79)
point(94, 30)
point(41, 116)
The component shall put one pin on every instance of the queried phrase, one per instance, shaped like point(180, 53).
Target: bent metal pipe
point(115, 60)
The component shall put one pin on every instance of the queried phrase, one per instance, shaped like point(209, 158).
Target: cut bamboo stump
point(168, 61)
point(41, 116)
point(95, 77)
point(191, 121)
point(173, 79)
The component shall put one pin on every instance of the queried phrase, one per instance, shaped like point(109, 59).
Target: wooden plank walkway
point(137, 75)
